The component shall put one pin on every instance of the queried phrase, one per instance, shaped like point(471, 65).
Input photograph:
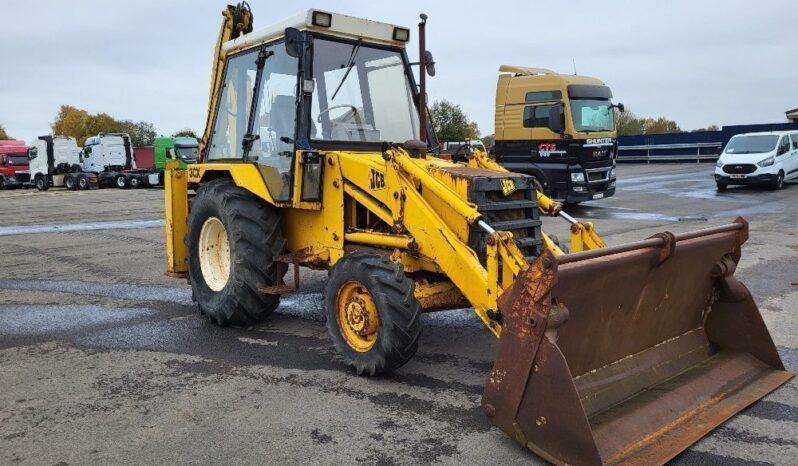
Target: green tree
point(3, 134)
point(185, 133)
point(629, 124)
point(451, 123)
point(708, 128)
point(80, 124)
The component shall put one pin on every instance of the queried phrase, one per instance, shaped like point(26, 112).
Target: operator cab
point(317, 81)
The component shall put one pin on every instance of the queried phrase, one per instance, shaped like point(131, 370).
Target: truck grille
point(22, 177)
point(739, 168)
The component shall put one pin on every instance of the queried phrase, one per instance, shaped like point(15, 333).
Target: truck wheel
point(2, 183)
point(232, 240)
point(372, 315)
point(778, 182)
point(41, 183)
point(121, 182)
point(69, 183)
point(135, 182)
point(83, 182)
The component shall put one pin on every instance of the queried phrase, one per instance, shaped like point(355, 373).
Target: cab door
point(791, 165)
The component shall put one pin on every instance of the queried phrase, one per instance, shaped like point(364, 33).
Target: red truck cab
point(14, 171)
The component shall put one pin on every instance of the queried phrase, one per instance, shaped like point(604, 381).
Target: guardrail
point(700, 151)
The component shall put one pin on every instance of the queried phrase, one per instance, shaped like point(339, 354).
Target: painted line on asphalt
point(72, 227)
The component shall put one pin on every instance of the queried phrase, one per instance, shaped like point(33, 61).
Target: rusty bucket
point(628, 355)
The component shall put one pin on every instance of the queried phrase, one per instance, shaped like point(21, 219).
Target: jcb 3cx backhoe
point(624, 354)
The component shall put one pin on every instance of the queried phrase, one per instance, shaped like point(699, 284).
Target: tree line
point(80, 124)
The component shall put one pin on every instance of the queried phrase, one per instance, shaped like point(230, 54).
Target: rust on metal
point(307, 257)
point(647, 348)
point(282, 288)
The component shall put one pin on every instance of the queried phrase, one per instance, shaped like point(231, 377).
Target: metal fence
point(686, 152)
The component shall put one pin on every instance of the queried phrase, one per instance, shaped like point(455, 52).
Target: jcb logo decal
point(508, 186)
point(194, 172)
point(377, 180)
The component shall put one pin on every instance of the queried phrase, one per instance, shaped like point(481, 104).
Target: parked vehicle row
point(106, 160)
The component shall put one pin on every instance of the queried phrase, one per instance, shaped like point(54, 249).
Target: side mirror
point(620, 107)
point(430, 63)
point(782, 150)
point(555, 118)
point(296, 41)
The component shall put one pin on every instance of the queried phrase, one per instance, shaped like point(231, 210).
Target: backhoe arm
point(237, 21)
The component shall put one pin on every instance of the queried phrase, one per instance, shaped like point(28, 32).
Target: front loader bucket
point(630, 354)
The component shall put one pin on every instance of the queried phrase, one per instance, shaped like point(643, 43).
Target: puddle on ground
point(43, 319)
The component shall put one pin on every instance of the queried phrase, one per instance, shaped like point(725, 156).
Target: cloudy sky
point(699, 63)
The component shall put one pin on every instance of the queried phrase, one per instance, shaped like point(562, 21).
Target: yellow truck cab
point(558, 128)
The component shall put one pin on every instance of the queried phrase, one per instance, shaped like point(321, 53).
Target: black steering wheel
point(457, 157)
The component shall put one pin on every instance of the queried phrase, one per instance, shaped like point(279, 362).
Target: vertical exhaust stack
point(422, 80)
point(630, 354)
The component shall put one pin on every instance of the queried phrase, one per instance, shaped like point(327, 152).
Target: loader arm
point(237, 20)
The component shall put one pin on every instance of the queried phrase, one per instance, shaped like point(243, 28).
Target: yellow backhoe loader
point(313, 156)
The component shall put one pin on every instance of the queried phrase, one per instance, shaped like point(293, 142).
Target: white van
point(758, 158)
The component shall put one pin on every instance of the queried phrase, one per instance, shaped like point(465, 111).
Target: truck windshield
point(188, 154)
point(375, 101)
point(17, 159)
point(592, 115)
point(752, 144)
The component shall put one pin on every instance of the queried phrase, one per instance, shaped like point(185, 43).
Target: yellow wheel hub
point(358, 319)
point(214, 254)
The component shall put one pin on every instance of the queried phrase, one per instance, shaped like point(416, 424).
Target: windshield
point(186, 153)
point(372, 102)
point(592, 115)
point(17, 159)
point(752, 144)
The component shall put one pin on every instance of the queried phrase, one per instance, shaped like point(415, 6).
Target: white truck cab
point(766, 158)
point(55, 161)
point(108, 152)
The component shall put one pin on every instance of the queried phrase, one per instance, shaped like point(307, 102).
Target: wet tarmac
point(104, 360)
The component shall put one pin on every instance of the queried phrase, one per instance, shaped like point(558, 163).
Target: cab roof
point(344, 26)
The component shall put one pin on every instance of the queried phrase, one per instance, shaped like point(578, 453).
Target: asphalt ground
point(104, 360)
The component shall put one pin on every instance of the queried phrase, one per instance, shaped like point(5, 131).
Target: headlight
point(578, 177)
point(612, 173)
point(767, 162)
point(719, 164)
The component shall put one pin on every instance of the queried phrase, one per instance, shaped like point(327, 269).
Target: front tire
point(373, 316)
point(41, 183)
point(722, 186)
point(2, 183)
point(232, 240)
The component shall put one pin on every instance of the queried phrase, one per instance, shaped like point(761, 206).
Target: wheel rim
point(120, 182)
point(358, 319)
point(214, 254)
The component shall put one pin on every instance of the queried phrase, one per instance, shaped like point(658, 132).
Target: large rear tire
point(83, 182)
point(233, 238)
point(70, 183)
point(372, 314)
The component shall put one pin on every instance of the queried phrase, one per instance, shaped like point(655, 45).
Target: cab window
point(794, 141)
point(785, 145)
point(537, 116)
point(232, 112)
